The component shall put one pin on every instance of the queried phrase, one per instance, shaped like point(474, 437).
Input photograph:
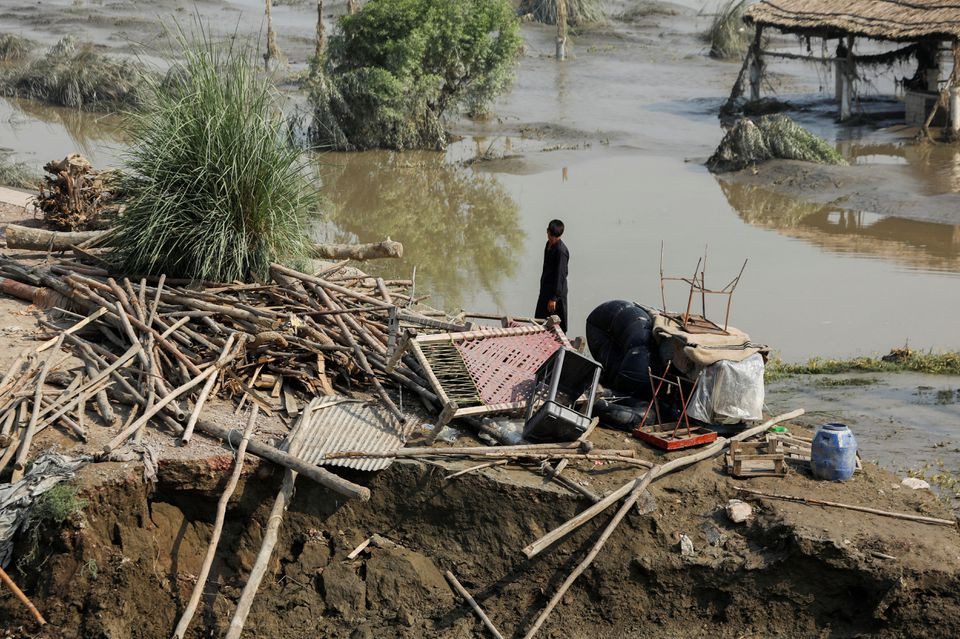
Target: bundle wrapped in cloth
point(731, 367)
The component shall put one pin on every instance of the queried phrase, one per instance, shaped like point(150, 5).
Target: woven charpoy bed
point(484, 371)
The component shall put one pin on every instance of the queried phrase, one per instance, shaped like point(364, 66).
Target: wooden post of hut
point(321, 44)
point(272, 56)
point(955, 92)
point(561, 29)
point(756, 65)
point(848, 72)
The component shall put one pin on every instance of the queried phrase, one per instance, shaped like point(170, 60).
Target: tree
point(397, 67)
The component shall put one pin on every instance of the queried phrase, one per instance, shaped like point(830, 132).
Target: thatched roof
point(880, 19)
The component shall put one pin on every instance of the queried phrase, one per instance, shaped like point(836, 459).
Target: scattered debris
point(686, 546)
point(738, 511)
point(915, 483)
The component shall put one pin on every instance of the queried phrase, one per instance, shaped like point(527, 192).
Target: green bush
point(215, 188)
point(398, 66)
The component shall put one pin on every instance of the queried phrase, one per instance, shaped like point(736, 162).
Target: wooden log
point(19, 290)
point(863, 509)
point(8, 582)
point(716, 448)
point(30, 239)
point(473, 604)
point(370, 251)
point(191, 608)
point(320, 475)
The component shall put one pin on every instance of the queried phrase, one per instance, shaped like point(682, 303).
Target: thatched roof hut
point(894, 20)
point(921, 26)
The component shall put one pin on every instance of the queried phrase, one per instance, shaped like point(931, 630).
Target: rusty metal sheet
point(340, 424)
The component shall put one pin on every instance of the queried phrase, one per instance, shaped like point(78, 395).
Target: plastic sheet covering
point(729, 392)
point(48, 470)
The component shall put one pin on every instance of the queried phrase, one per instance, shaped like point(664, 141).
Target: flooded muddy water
point(612, 142)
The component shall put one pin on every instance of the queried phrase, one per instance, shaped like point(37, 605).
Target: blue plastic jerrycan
point(834, 453)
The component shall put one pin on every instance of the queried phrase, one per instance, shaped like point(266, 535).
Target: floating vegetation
point(72, 74)
point(578, 11)
point(754, 140)
point(728, 36)
point(897, 361)
point(14, 47)
point(214, 188)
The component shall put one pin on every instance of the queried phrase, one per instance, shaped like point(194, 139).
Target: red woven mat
point(503, 368)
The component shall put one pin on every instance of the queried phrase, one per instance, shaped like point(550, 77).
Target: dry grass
point(72, 74)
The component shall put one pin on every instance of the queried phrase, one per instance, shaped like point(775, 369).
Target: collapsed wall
point(128, 568)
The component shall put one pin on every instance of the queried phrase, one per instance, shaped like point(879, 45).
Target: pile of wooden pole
point(162, 347)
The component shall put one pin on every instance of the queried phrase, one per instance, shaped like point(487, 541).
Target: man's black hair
point(555, 228)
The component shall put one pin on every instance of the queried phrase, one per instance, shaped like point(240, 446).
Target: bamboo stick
point(153, 410)
point(8, 582)
point(181, 629)
point(284, 497)
point(19, 461)
point(202, 398)
point(73, 329)
point(718, 446)
point(863, 509)
point(473, 604)
point(499, 462)
point(594, 551)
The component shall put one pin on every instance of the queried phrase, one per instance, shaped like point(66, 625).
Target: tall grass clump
point(728, 36)
point(215, 189)
point(578, 11)
point(17, 174)
point(13, 47)
point(74, 75)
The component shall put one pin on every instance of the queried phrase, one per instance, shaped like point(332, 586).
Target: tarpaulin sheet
point(48, 470)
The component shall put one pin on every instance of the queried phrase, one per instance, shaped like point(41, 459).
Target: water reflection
point(37, 132)
point(915, 244)
point(459, 227)
point(934, 167)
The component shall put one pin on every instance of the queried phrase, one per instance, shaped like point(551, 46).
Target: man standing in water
point(553, 280)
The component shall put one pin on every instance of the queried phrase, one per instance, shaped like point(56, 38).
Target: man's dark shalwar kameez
point(553, 282)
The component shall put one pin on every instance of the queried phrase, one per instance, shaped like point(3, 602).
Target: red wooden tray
point(661, 436)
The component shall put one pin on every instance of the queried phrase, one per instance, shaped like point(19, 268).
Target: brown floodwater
point(611, 141)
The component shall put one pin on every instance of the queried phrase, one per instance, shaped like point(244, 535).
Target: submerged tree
point(215, 189)
point(398, 66)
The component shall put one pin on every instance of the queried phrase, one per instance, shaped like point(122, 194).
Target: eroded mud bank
point(127, 568)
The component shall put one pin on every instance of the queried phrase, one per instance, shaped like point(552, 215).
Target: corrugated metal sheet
point(340, 424)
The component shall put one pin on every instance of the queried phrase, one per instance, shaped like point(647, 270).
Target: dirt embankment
point(791, 570)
